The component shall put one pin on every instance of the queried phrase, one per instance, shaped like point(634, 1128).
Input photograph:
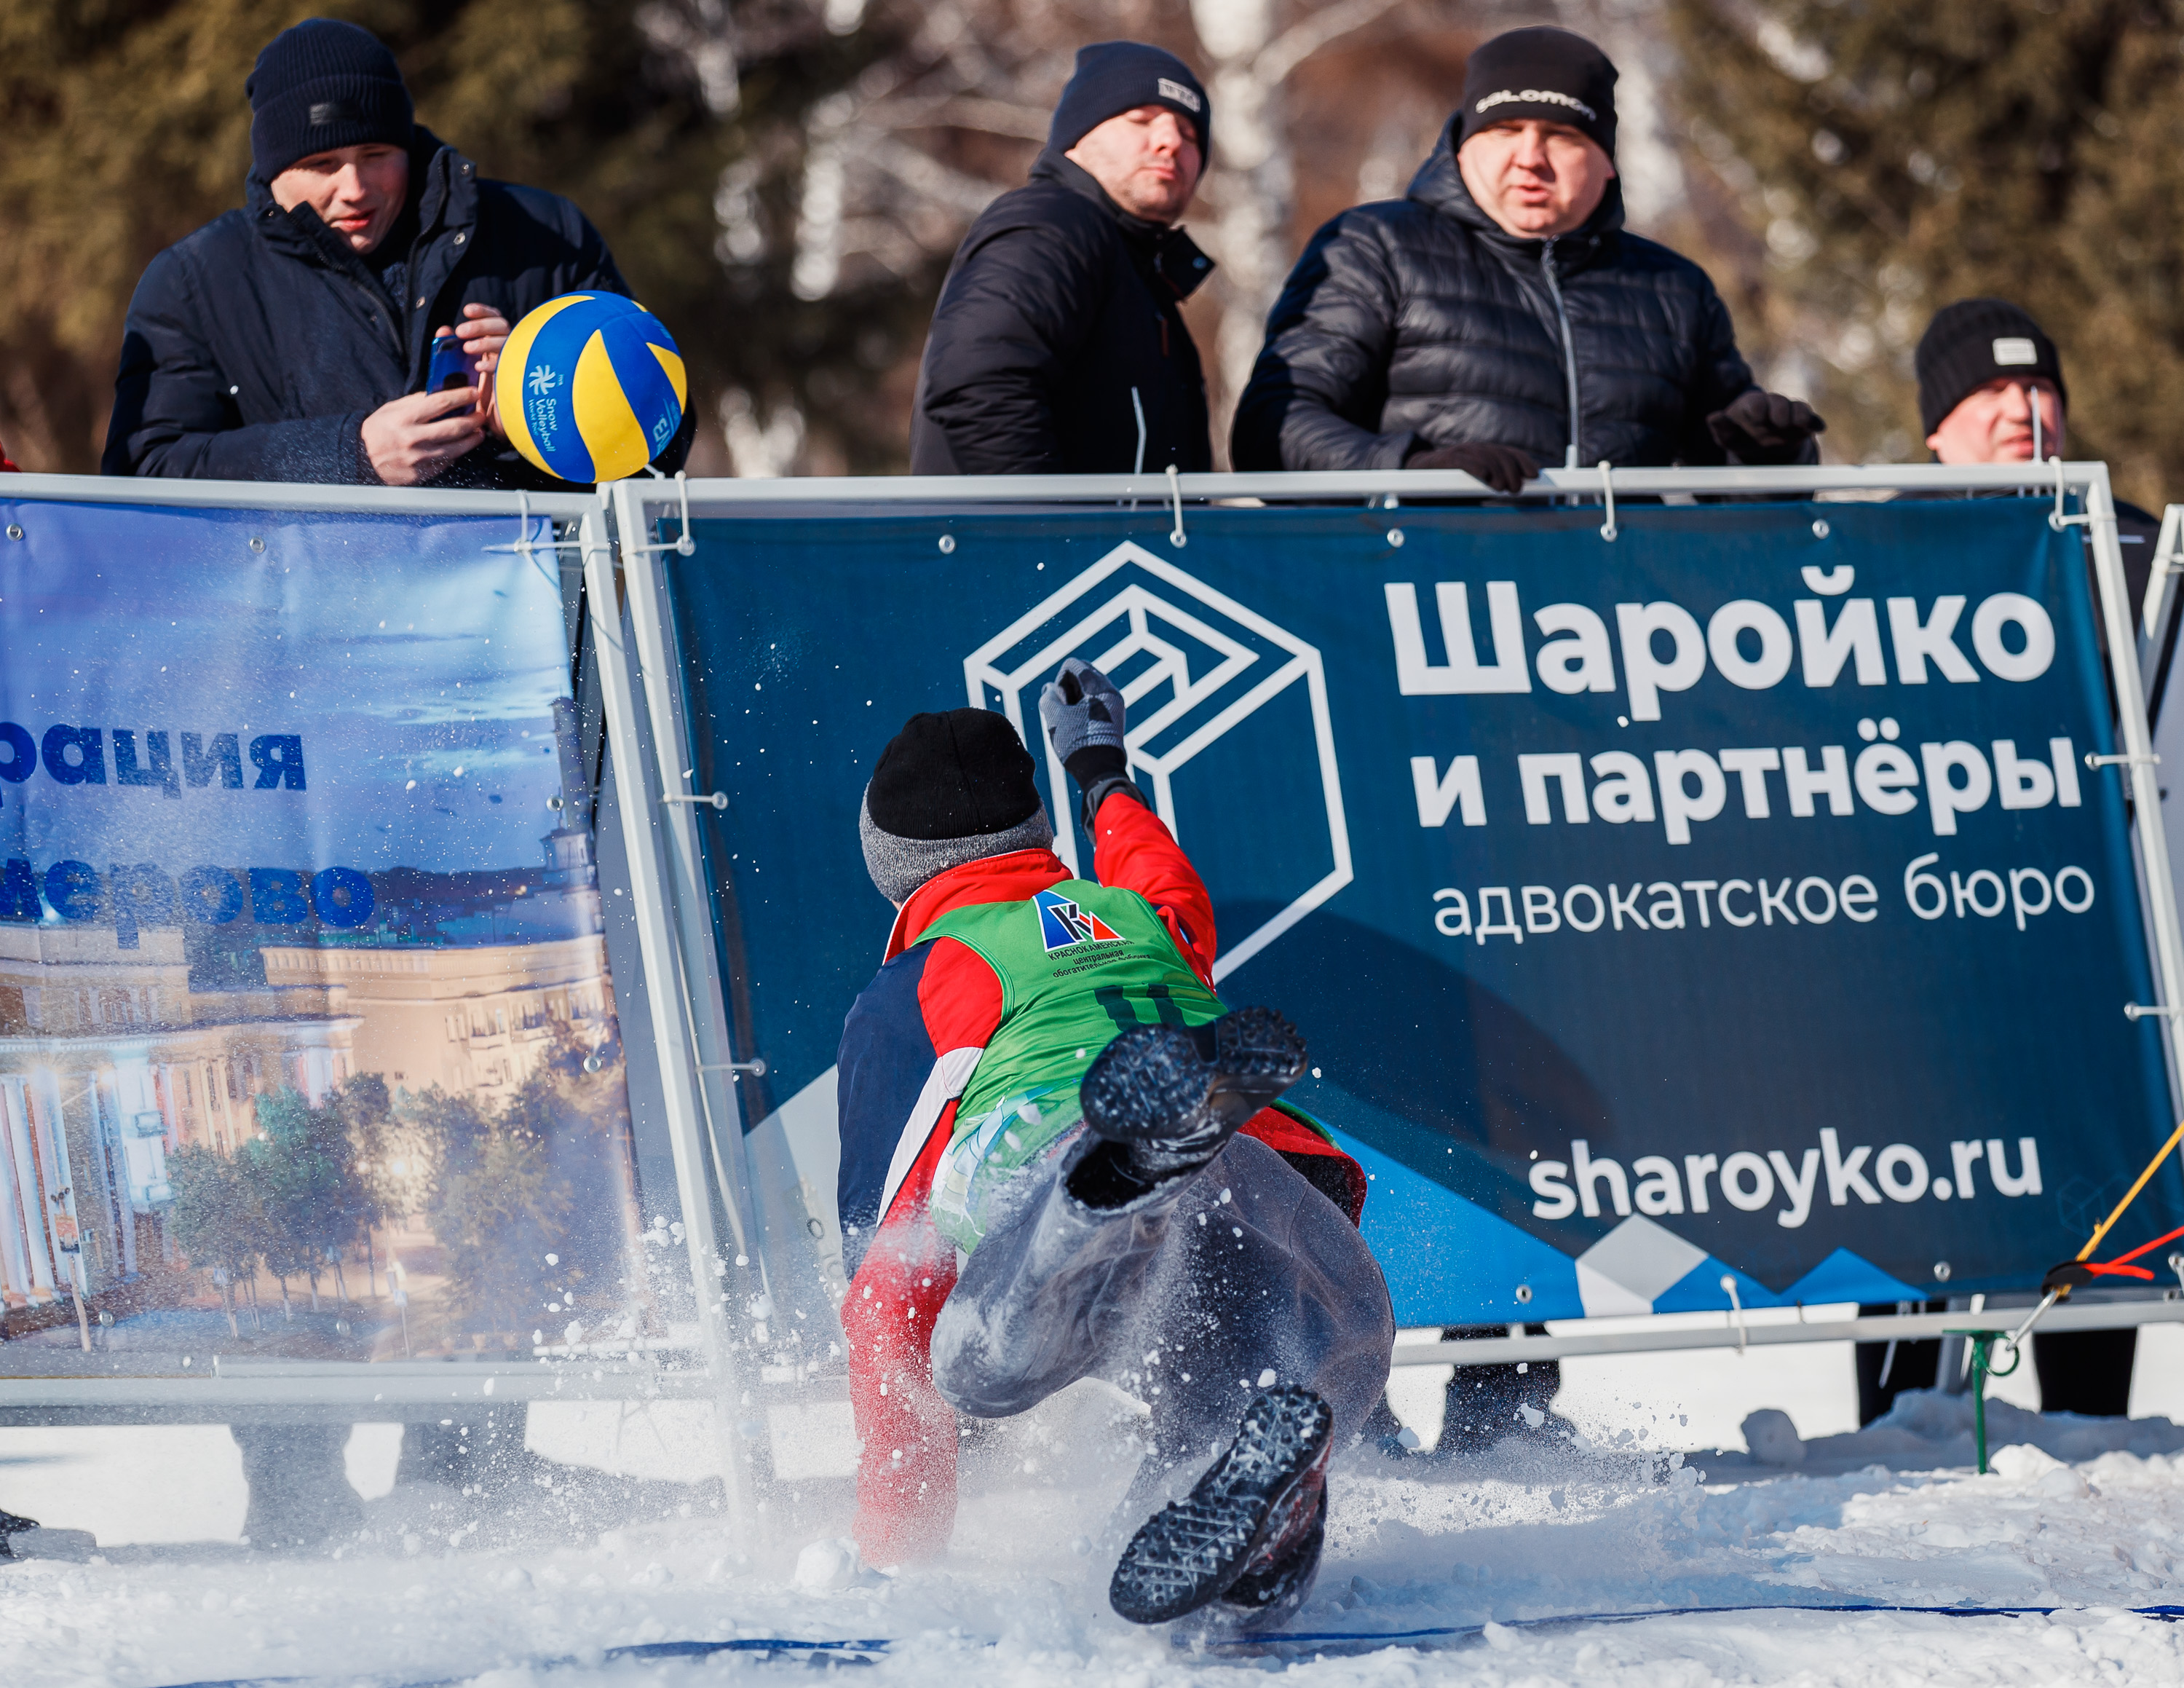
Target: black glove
point(1503, 467)
point(1765, 428)
point(1085, 719)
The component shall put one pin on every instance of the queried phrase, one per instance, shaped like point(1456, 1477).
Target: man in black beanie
point(1044, 1107)
point(291, 340)
point(1058, 346)
point(1991, 390)
point(1499, 318)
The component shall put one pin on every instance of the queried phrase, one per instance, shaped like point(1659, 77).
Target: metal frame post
point(2139, 766)
point(667, 996)
point(651, 615)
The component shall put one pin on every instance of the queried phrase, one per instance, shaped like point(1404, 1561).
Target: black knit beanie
point(1976, 341)
point(1116, 76)
point(949, 789)
point(1553, 74)
point(322, 85)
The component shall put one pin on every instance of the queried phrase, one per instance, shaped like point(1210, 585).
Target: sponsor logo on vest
point(1063, 924)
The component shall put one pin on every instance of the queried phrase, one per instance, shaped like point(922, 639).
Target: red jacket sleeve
point(1133, 851)
point(909, 1048)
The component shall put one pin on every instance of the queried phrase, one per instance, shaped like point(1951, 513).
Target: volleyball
point(590, 386)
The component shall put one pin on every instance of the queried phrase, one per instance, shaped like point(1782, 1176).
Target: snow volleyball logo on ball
point(590, 386)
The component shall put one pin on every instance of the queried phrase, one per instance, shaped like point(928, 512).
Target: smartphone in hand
point(452, 366)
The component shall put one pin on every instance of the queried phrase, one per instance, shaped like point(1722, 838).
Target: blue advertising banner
point(1730, 900)
point(303, 993)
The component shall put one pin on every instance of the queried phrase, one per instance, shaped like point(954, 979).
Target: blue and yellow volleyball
point(590, 386)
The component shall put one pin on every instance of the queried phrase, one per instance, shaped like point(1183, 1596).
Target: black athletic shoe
point(1249, 1536)
point(1177, 1093)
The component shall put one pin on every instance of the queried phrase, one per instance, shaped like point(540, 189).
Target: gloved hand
point(1080, 708)
point(1503, 467)
point(1084, 718)
point(1765, 428)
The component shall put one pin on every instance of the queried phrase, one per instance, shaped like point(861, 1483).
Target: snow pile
point(2082, 1514)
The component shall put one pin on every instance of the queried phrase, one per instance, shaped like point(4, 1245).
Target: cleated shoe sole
point(1276, 1584)
point(1184, 1091)
point(1248, 1530)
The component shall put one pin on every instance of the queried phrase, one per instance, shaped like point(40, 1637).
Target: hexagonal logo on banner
point(1228, 722)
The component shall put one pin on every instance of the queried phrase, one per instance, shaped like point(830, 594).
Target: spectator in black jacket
point(1991, 390)
point(1058, 346)
point(1499, 318)
point(291, 340)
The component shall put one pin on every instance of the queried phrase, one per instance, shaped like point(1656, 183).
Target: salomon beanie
point(1976, 341)
point(1551, 75)
point(322, 85)
point(949, 789)
point(1116, 76)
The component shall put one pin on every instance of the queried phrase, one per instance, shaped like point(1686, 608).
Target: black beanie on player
point(1555, 75)
point(322, 84)
point(1976, 341)
point(1116, 76)
point(949, 789)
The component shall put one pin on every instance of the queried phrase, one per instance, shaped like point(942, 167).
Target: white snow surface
point(1615, 1512)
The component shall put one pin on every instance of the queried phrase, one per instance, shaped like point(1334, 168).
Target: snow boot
point(1246, 1541)
point(1171, 1096)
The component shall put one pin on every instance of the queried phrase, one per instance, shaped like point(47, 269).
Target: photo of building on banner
point(308, 1044)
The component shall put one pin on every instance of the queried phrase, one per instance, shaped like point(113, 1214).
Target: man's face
point(1535, 178)
point(1993, 423)
point(357, 190)
point(1147, 159)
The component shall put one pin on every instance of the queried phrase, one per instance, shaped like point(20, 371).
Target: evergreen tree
point(1895, 159)
point(497, 1205)
point(216, 1221)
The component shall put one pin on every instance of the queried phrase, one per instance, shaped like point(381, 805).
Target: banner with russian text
point(307, 1046)
point(1727, 903)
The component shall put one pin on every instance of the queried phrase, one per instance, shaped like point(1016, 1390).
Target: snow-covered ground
point(2082, 1514)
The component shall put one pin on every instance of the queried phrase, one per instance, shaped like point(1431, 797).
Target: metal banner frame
point(248, 1391)
point(702, 1103)
point(633, 643)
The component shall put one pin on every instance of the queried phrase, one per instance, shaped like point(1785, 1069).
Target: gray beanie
point(899, 865)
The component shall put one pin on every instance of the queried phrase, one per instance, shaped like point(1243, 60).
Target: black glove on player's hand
point(1765, 428)
point(1502, 468)
point(1085, 719)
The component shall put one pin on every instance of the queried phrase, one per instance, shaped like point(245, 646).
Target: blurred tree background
point(1892, 159)
point(784, 181)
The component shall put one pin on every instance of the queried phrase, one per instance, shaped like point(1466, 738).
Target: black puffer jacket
point(254, 349)
point(1420, 320)
point(1059, 306)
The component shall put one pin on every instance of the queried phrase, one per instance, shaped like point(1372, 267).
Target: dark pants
point(2082, 1371)
point(2086, 1371)
point(1913, 1365)
point(1483, 1400)
point(1192, 1297)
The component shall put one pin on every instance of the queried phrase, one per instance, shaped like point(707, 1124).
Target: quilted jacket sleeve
point(1720, 375)
point(1316, 395)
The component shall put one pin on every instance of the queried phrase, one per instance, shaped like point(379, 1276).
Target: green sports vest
point(1077, 963)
